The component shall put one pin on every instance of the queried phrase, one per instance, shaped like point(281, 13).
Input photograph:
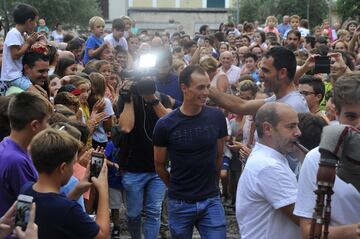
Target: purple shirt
point(16, 168)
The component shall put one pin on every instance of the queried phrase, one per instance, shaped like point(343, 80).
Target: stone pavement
point(232, 227)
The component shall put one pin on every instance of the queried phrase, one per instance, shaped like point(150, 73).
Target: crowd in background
point(80, 85)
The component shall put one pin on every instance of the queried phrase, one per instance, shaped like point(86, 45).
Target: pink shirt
point(274, 30)
point(79, 172)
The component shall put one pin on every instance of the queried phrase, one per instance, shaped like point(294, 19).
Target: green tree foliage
point(348, 9)
point(71, 13)
point(251, 10)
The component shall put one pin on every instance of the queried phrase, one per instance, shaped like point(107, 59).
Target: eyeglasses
point(306, 93)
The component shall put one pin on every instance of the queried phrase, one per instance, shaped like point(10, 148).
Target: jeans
point(138, 186)
point(208, 216)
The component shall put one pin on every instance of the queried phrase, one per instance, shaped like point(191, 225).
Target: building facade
point(169, 15)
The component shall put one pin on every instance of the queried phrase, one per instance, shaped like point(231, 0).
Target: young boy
point(28, 115)
point(42, 28)
point(17, 42)
point(115, 189)
point(54, 153)
point(295, 25)
point(116, 38)
point(250, 67)
point(95, 43)
point(346, 99)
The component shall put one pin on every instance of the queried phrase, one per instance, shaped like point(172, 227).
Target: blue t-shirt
point(16, 169)
point(60, 218)
point(255, 75)
point(67, 188)
point(93, 43)
point(171, 88)
point(114, 178)
point(191, 144)
point(283, 28)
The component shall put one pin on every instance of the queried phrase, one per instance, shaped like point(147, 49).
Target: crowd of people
point(214, 124)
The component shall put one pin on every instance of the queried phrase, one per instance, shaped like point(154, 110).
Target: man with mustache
point(267, 188)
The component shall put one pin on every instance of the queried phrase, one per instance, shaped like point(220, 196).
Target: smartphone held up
point(23, 208)
point(97, 161)
point(322, 64)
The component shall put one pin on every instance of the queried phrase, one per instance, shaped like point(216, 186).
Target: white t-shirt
point(296, 100)
point(57, 37)
point(345, 206)
point(114, 43)
point(11, 69)
point(303, 31)
point(233, 74)
point(266, 185)
point(99, 134)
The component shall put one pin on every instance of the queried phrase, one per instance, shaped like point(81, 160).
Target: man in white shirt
point(231, 71)
point(267, 188)
point(116, 38)
point(345, 207)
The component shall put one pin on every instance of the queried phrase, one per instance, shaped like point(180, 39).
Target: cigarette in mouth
point(301, 147)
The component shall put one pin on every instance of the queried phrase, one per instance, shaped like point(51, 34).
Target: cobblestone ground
point(232, 227)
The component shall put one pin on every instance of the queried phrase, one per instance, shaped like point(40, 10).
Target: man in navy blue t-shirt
point(193, 137)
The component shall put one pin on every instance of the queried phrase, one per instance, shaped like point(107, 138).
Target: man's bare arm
point(288, 211)
point(337, 232)
point(235, 104)
point(160, 154)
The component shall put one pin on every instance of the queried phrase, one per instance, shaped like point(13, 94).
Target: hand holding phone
point(97, 161)
point(31, 231)
point(322, 64)
point(23, 208)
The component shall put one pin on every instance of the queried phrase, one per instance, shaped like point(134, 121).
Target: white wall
point(191, 21)
point(117, 8)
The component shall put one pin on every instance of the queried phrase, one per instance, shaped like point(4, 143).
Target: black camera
point(322, 64)
point(143, 84)
point(97, 161)
point(23, 208)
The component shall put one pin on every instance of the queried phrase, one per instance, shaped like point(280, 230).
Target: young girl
point(91, 120)
point(224, 46)
point(244, 127)
point(104, 68)
point(99, 137)
point(177, 66)
point(66, 66)
point(259, 39)
point(54, 85)
point(271, 23)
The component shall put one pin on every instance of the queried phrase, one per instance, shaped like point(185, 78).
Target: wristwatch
point(153, 102)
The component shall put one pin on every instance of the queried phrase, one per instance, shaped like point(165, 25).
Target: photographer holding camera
point(138, 109)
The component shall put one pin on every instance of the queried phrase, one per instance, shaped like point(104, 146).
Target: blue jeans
point(208, 216)
point(138, 186)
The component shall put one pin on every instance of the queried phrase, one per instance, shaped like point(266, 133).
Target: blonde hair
point(342, 32)
point(295, 17)
point(96, 20)
point(209, 64)
point(271, 18)
point(126, 18)
point(246, 85)
point(177, 63)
